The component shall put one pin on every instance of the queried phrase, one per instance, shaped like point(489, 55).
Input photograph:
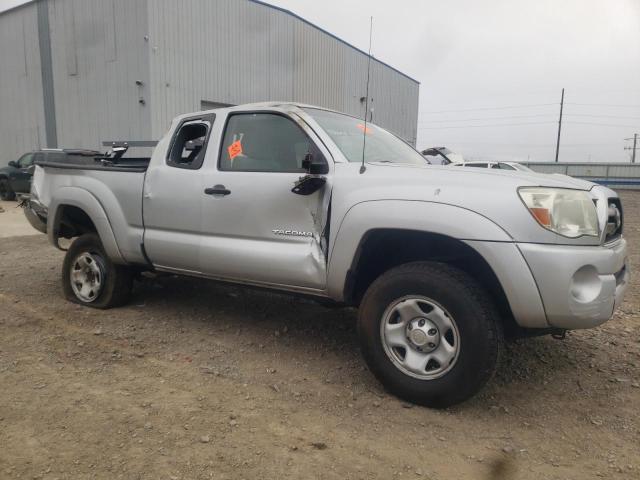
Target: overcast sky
point(492, 71)
point(475, 57)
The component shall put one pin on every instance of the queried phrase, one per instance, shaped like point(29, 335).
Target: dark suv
point(16, 177)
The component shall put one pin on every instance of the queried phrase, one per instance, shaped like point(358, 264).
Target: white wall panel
point(183, 52)
point(235, 51)
point(21, 104)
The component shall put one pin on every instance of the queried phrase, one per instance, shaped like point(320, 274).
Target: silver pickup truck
point(441, 262)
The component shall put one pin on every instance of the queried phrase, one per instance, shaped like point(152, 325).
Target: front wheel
point(429, 333)
point(90, 278)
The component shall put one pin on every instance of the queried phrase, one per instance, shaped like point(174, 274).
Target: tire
point(99, 282)
point(460, 334)
point(6, 192)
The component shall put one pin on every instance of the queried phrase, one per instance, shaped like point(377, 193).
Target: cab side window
point(265, 142)
point(189, 143)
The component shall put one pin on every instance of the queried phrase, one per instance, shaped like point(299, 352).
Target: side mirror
point(308, 184)
point(314, 167)
point(313, 180)
point(14, 164)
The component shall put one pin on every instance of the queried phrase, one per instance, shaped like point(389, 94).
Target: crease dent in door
point(318, 246)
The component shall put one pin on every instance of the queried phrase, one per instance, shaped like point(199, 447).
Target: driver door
point(254, 228)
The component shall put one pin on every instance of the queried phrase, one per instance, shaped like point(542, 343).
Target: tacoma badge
point(291, 233)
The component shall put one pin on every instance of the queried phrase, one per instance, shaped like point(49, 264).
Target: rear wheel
point(429, 333)
point(6, 192)
point(90, 278)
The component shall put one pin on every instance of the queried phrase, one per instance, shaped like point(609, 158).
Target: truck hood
point(493, 194)
point(493, 177)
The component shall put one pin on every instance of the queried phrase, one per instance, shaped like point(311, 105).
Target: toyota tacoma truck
point(440, 262)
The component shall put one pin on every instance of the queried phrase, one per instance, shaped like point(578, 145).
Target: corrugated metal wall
point(183, 53)
point(99, 51)
point(21, 104)
point(233, 51)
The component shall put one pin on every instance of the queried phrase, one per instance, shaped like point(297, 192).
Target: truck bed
point(127, 164)
point(112, 190)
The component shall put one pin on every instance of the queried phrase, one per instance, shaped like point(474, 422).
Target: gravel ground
point(196, 380)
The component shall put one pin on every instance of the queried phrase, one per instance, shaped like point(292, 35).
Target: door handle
point(217, 190)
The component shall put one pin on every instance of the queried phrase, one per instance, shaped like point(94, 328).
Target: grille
point(613, 229)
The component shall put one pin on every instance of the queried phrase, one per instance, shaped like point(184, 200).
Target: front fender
point(84, 200)
point(432, 217)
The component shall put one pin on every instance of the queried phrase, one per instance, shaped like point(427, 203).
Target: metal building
point(74, 73)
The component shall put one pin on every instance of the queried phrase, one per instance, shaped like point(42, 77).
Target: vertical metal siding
point(229, 51)
point(21, 104)
point(97, 59)
point(235, 51)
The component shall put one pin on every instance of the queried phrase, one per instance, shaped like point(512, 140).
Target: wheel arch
point(75, 211)
point(374, 237)
point(382, 249)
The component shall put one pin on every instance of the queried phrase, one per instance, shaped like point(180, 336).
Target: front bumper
point(580, 287)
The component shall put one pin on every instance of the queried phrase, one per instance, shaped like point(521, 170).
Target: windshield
point(523, 168)
point(348, 134)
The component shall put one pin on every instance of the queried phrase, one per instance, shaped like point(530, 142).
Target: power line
point(485, 118)
point(599, 116)
point(529, 145)
point(525, 123)
point(603, 124)
point(559, 124)
point(535, 105)
point(508, 117)
point(482, 126)
point(634, 148)
point(489, 108)
point(603, 105)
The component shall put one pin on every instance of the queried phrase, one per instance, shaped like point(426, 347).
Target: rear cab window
point(189, 143)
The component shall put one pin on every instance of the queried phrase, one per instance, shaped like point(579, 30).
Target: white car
point(441, 156)
point(498, 165)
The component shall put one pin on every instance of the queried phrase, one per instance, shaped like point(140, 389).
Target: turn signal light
point(542, 215)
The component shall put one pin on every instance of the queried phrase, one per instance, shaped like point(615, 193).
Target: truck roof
point(259, 105)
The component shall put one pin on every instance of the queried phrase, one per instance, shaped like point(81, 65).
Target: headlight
point(570, 213)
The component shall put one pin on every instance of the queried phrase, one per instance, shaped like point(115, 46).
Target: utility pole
point(634, 148)
point(559, 125)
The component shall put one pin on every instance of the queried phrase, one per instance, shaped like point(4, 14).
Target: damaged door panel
point(261, 231)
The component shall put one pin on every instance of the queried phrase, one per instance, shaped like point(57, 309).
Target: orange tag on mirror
point(235, 149)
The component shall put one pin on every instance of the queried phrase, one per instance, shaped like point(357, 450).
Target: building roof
point(8, 5)
point(289, 12)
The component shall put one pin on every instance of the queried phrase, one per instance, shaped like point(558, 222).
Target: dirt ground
point(12, 221)
point(195, 380)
